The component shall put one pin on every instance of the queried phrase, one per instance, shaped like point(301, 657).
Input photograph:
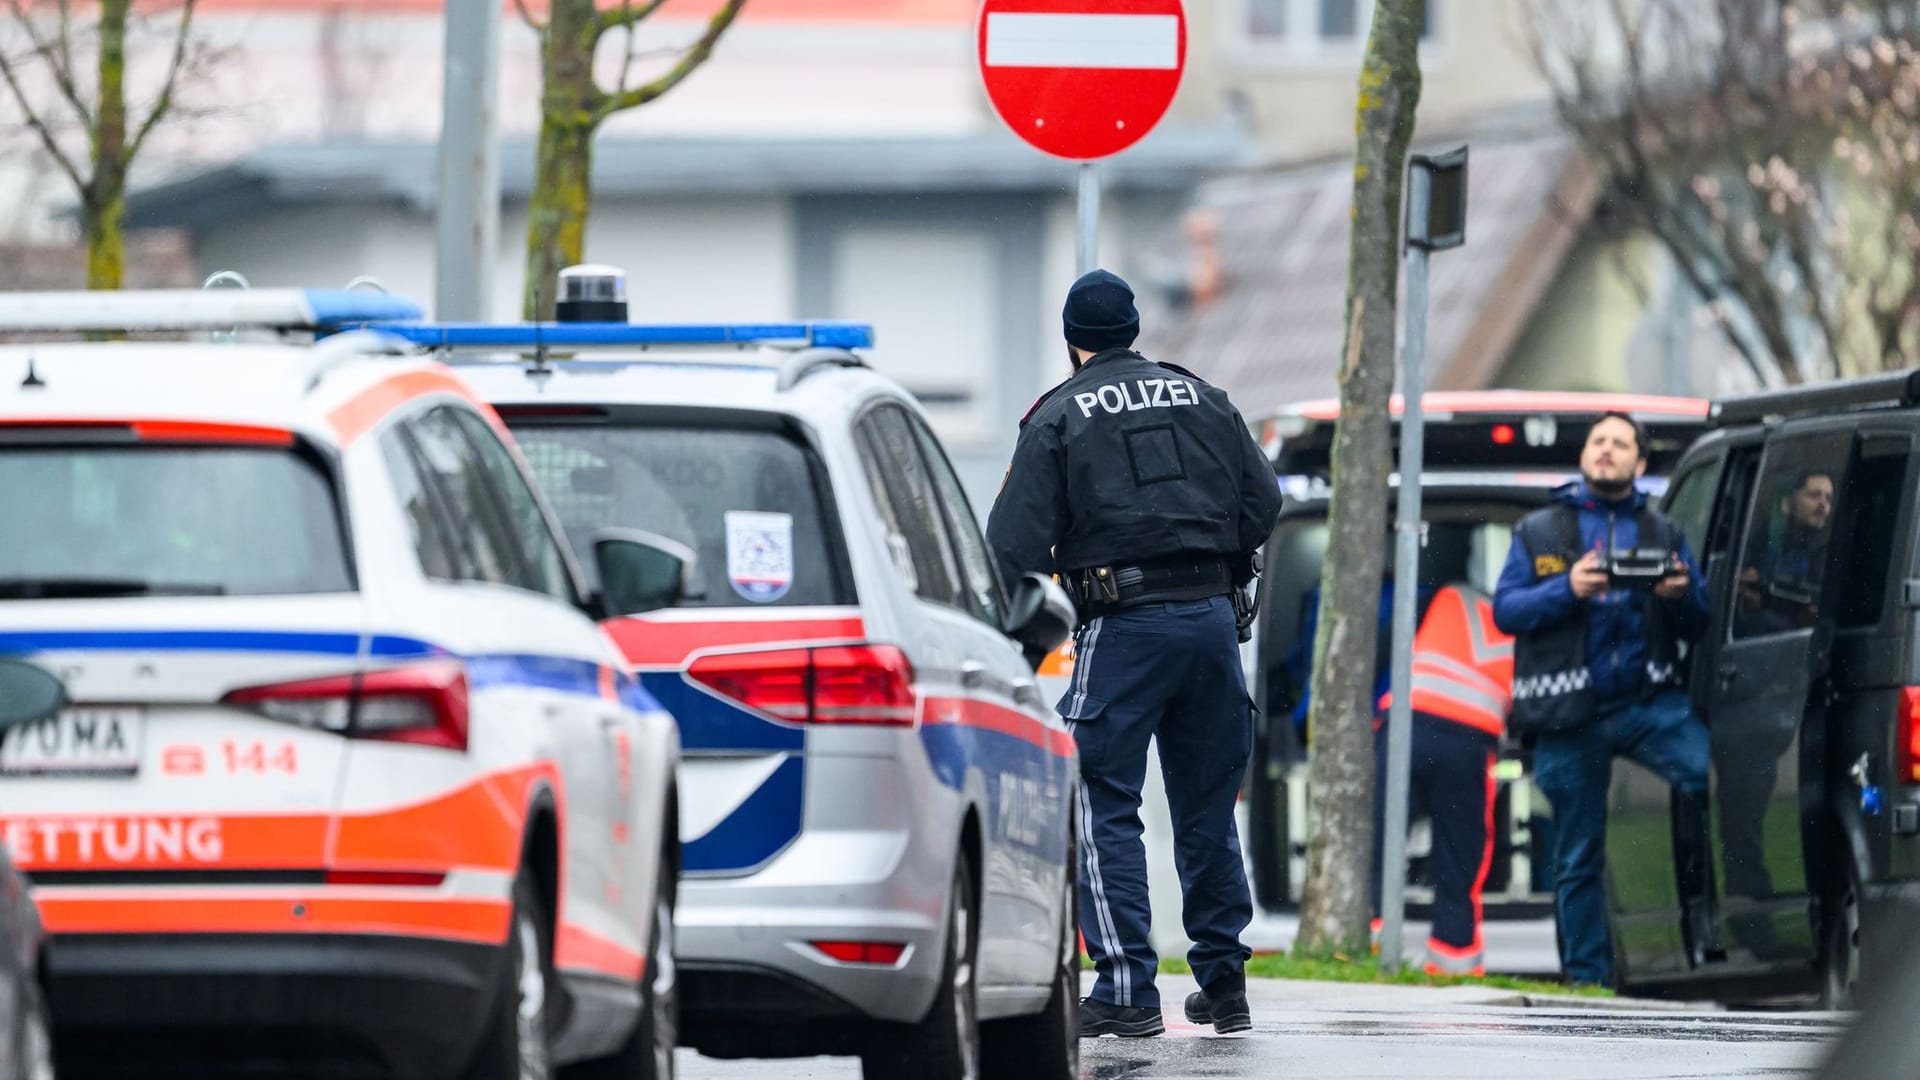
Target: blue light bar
point(837, 335)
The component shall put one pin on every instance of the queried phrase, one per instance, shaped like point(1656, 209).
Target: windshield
point(1461, 544)
point(748, 502)
point(166, 520)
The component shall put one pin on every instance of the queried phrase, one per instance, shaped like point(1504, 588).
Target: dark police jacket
point(1574, 660)
point(1127, 462)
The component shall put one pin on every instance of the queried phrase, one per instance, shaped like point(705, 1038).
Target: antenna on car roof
point(33, 381)
point(539, 371)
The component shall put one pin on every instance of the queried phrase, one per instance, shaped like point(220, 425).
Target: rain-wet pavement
point(1336, 1031)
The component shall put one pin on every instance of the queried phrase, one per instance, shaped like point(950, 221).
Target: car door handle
point(1728, 673)
point(973, 673)
point(1026, 692)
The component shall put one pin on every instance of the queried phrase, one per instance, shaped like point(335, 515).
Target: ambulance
point(349, 777)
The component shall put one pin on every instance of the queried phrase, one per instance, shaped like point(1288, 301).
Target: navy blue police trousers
point(1168, 672)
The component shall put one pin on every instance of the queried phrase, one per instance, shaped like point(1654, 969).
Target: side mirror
point(28, 694)
point(1039, 617)
point(642, 571)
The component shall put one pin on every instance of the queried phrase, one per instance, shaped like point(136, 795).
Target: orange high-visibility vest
point(1462, 663)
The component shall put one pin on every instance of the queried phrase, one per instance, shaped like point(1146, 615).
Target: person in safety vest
point(1462, 688)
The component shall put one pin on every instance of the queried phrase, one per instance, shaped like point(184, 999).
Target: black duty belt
point(1109, 588)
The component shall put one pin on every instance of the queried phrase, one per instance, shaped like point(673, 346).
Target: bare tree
point(572, 108)
point(97, 114)
point(1773, 148)
point(1334, 911)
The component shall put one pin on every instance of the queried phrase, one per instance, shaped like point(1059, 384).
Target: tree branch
point(696, 54)
point(627, 16)
point(165, 101)
point(58, 55)
point(41, 129)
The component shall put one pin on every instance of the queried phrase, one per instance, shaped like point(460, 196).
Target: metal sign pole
point(1088, 249)
point(468, 224)
point(1406, 580)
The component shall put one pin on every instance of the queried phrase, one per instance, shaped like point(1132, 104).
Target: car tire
point(36, 1036)
point(946, 1044)
point(1046, 1045)
point(1840, 946)
point(517, 1043)
point(648, 1052)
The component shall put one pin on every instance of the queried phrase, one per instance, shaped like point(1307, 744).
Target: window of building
point(1311, 29)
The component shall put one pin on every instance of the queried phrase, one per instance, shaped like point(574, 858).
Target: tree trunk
point(1335, 910)
point(570, 112)
point(104, 203)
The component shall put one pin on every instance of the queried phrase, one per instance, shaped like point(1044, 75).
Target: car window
point(915, 504)
point(432, 541)
point(1870, 507)
point(544, 567)
point(751, 503)
point(1689, 502)
point(976, 565)
point(155, 519)
point(483, 534)
point(1783, 555)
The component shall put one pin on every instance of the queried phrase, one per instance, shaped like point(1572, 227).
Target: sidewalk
point(1276, 998)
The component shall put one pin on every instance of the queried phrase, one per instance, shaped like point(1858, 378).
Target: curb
point(1615, 1004)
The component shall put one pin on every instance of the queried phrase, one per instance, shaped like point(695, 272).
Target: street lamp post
point(1436, 221)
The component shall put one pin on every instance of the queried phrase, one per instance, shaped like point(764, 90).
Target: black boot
point(1229, 1013)
point(1099, 1018)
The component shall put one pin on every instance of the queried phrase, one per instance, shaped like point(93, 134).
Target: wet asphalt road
point(1333, 1032)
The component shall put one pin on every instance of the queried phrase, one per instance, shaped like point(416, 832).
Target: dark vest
point(1552, 685)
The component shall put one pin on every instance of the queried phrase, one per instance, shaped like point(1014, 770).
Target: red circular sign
point(1082, 79)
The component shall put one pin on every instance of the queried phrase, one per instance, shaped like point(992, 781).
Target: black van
point(1491, 457)
point(1801, 506)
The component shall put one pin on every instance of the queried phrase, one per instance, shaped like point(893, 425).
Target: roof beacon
point(592, 294)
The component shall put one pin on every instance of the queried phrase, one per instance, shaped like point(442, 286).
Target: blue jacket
point(1616, 636)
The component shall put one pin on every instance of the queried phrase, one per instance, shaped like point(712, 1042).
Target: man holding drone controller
point(1598, 592)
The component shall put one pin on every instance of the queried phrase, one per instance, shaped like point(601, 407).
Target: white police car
point(350, 777)
point(876, 802)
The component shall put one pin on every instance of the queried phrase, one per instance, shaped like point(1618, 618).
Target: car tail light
point(1907, 753)
point(883, 953)
point(421, 704)
point(840, 684)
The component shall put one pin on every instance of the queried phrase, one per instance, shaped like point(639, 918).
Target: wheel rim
point(666, 999)
point(1843, 972)
point(530, 1015)
point(963, 1004)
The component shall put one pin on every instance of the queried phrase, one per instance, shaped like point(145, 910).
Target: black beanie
point(1100, 314)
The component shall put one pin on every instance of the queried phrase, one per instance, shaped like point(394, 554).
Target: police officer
point(1139, 485)
point(1597, 673)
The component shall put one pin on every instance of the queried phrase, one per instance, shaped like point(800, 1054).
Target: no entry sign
point(1082, 79)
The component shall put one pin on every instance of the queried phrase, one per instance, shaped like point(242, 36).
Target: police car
point(350, 776)
point(1491, 457)
point(876, 804)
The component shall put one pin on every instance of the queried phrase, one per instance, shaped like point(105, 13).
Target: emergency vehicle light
point(163, 310)
point(574, 335)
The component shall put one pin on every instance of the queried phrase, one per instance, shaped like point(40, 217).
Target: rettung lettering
point(112, 842)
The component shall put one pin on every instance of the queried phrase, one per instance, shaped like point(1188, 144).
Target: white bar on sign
point(1141, 42)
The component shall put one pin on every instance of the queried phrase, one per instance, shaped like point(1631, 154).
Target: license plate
point(93, 741)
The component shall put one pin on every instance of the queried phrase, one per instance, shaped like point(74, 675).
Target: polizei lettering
point(1137, 395)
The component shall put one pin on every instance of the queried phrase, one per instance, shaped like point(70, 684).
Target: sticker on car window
point(760, 554)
